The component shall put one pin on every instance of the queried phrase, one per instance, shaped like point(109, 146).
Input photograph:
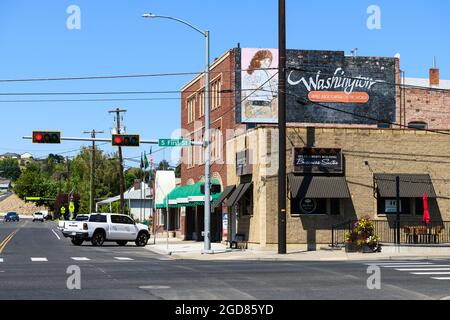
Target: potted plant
point(362, 237)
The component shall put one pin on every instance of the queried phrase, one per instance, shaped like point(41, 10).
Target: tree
point(32, 183)
point(178, 170)
point(163, 165)
point(9, 169)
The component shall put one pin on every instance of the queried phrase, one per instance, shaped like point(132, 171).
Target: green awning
point(188, 196)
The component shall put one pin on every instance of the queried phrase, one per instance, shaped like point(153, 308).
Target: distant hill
point(14, 203)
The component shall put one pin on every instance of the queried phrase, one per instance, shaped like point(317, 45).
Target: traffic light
point(215, 188)
point(50, 137)
point(126, 140)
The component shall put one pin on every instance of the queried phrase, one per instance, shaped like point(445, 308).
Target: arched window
point(418, 125)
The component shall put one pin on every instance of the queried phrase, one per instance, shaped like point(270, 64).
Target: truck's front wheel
point(77, 242)
point(142, 239)
point(98, 238)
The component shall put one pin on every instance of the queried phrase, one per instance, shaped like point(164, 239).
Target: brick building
point(370, 86)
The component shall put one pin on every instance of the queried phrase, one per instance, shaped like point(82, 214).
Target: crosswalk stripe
point(398, 263)
point(123, 258)
point(424, 269)
point(430, 273)
point(441, 278)
point(80, 259)
point(409, 265)
point(39, 259)
point(1, 260)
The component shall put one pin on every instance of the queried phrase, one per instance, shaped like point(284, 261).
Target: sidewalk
point(191, 250)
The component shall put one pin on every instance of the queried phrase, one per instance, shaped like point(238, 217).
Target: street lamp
point(206, 143)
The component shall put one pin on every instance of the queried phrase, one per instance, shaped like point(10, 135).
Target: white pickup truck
point(108, 227)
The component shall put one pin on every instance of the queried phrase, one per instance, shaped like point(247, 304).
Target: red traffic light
point(39, 137)
point(50, 137)
point(125, 140)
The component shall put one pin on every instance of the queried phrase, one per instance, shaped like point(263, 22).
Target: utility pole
point(282, 127)
point(92, 179)
point(118, 111)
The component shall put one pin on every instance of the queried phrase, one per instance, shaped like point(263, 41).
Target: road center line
point(123, 258)
point(80, 259)
point(59, 238)
point(5, 241)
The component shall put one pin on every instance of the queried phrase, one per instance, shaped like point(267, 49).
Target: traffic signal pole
point(117, 111)
point(92, 178)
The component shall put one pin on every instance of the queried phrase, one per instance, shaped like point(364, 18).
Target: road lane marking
point(123, 259)
point(5, 241)
point(424, 269)
point(430, 273)
point(56, 234)
point(39, 259)
point(441, 278)
point(385, 264)
point(80, 259)
point(409, 265)
point(1, 260)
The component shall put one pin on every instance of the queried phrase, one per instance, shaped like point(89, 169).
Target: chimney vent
point(434, 74)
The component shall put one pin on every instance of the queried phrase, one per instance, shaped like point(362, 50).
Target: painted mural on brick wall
point(329, 87)
point(259, 85)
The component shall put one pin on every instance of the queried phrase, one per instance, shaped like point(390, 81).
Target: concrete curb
point(221, 256)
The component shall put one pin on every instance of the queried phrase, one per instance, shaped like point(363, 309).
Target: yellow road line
point(5, 241)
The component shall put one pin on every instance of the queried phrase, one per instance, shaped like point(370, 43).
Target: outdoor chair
point(408, 234)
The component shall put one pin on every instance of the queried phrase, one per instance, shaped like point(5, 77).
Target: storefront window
point(309, 206)
point(389, 206)
point(247, 203)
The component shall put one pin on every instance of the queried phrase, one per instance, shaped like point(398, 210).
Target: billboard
point(259, 81)
point(333, 88)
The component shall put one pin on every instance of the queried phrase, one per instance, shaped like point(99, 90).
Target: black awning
point(238, 193)
point(319, 187)
point(225, 194)
point(411, 185)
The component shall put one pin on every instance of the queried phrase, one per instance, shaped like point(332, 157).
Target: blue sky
point(114, 40)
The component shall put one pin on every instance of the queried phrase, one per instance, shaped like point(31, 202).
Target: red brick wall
point(430, 106)
point(222, 117)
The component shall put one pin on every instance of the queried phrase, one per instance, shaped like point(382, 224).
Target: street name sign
point(174, 142)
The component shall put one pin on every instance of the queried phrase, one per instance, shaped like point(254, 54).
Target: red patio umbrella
point(426, 213)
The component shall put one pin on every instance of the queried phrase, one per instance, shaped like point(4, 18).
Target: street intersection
point(34, 264)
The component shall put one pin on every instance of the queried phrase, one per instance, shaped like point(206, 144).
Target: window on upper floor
point(191, 109)
point(418, 125)
point(216, 96)
point(201, 103)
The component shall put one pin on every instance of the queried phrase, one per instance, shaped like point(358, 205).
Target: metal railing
point(412, 231)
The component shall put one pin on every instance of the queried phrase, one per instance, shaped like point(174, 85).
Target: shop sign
point(391, 206)
point(243, 166)
point(308, 206)
point(318, 160)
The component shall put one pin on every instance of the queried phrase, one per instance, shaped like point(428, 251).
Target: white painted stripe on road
point(424, 269)
point(441, 278)
point(123, 259)
point(397, 263)
point(430, 273)
point(409, 265)
point(39, 259)
point(1, 260)
point(59, 238)
point(80, 259)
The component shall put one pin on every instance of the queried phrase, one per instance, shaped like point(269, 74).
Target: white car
point(109, 227)
point(38, 216)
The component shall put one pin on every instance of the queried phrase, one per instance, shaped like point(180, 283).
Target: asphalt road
point(33, 265)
